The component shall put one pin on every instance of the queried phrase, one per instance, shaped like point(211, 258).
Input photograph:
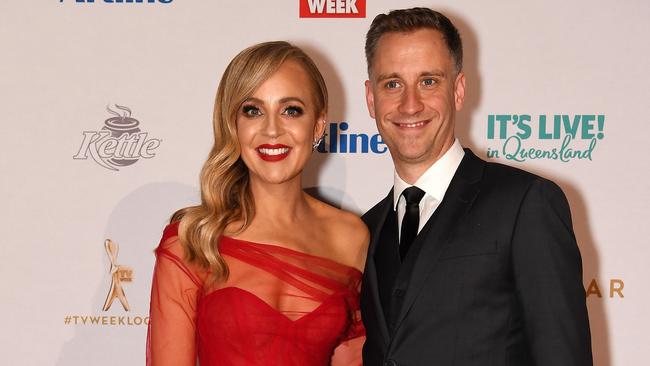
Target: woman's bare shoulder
point(346, 232)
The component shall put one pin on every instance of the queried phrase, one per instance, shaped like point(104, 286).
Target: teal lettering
point(543, 135)
point(571, 126)
point(490, 128)
point(512, 144)
point(524, 126)
point(601, 127)
point(503, 125)
point(588, 126)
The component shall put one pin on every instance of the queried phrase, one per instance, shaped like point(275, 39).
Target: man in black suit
point(470, 262)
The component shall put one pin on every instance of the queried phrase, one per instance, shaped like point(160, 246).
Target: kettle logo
point(119, 143)
point(119, 274)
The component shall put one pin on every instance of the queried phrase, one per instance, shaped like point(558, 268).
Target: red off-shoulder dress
point(278, 307)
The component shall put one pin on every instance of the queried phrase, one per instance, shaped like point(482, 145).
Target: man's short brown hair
point(410, 20)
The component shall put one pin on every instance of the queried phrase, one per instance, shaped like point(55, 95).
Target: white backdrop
point(63, 62)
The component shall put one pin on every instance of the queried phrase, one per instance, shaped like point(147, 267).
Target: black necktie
point(411, 219)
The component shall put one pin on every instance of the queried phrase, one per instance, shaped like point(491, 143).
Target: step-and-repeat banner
point(106, 121)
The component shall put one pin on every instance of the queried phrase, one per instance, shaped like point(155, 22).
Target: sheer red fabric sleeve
point(348, 352)
point(175, 291)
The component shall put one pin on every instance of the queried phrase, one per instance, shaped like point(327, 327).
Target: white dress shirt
point(434, 182)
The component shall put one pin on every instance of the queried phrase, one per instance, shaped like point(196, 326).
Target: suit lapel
point(371, 270)
point(457, 201)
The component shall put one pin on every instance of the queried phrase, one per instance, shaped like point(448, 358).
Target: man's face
point(413, 94)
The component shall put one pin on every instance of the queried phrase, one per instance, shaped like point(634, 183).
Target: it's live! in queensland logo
point(332, 8)
point(561, 137)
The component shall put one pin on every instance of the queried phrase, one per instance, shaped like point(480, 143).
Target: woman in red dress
point(260, 273)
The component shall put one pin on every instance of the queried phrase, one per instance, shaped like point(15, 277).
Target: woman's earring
point(317, 143)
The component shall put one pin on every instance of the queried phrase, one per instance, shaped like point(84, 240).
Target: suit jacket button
point(391, 363)
point(398, 293)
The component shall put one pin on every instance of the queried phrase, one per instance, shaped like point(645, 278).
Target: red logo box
point(332, 8)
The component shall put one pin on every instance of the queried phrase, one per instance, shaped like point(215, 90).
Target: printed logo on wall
point(332, 8)
point(120, 142)
point(611, 288)
point(337, 141)
point(561, 137)
point(119, 275)
point(119, 1)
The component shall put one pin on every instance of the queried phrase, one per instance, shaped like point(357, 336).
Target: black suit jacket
point(497, 281)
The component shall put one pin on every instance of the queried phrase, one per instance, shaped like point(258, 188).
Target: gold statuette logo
point(119, 274)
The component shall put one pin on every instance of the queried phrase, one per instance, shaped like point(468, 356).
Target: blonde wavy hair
point(225, 192)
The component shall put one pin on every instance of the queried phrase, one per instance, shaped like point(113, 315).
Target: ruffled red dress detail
point(278, 307)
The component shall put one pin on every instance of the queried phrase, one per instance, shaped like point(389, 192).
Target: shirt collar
point(435, 180)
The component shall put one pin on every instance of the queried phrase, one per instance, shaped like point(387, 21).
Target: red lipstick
point(273, 152)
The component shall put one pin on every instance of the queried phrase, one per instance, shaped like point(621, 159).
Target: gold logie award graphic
point(119, 274)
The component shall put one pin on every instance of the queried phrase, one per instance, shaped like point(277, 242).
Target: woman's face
point(277, 125)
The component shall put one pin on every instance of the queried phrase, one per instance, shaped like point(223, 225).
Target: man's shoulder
point(506, 173)
point(373, 215)
point(502, 173)
point(508, 179)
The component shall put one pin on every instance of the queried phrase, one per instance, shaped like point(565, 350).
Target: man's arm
point(548, 275)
